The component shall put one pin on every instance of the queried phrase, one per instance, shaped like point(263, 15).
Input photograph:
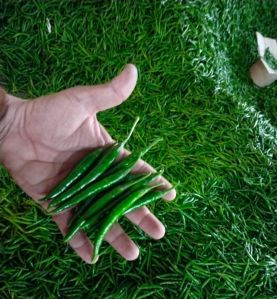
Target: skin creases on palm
point(48, 135)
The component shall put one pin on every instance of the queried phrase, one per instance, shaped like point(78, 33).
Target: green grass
point(219, 142)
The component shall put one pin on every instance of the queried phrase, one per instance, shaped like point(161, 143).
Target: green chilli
point(84, 205)
point(115, 214)
point(102, 165)
point(137, 183)
point(94, 219)
point(75, 173)
point(94, 189)
point(85, 223)
point(91, 219)
point(106, 199)
point(149, 198)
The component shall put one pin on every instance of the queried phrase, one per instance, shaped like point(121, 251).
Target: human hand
point(41, 140)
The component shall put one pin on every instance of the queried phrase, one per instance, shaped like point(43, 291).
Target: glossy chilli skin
point(103, 189)
point(115, 214)
point(81, 209)
point(149, 198)
point(90, 221)
point(99, 205)
point(102, 165)
point(103, 201)
point(77, 171)
point(91, 191)
point(97, 187)
point(129, 159)
point(87, 223)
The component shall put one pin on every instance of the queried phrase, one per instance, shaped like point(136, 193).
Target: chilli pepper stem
point(123, 143)
point(143, 152)
point(131, 157)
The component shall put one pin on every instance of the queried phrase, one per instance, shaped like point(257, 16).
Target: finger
point(148, 222)
point(101, 97)
point(80, 242)
point(143, 167)
point(120, 241)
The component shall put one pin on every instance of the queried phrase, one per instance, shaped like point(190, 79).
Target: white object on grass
point(48, 24)
point(261, 73)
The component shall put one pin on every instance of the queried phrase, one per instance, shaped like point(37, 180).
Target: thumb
point(101, 97)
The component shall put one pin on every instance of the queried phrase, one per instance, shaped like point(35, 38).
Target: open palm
point(47, 136)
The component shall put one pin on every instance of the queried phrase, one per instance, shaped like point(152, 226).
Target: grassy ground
point(220, 142)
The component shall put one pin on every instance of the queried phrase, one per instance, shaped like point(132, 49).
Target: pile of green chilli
point(102, 189)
